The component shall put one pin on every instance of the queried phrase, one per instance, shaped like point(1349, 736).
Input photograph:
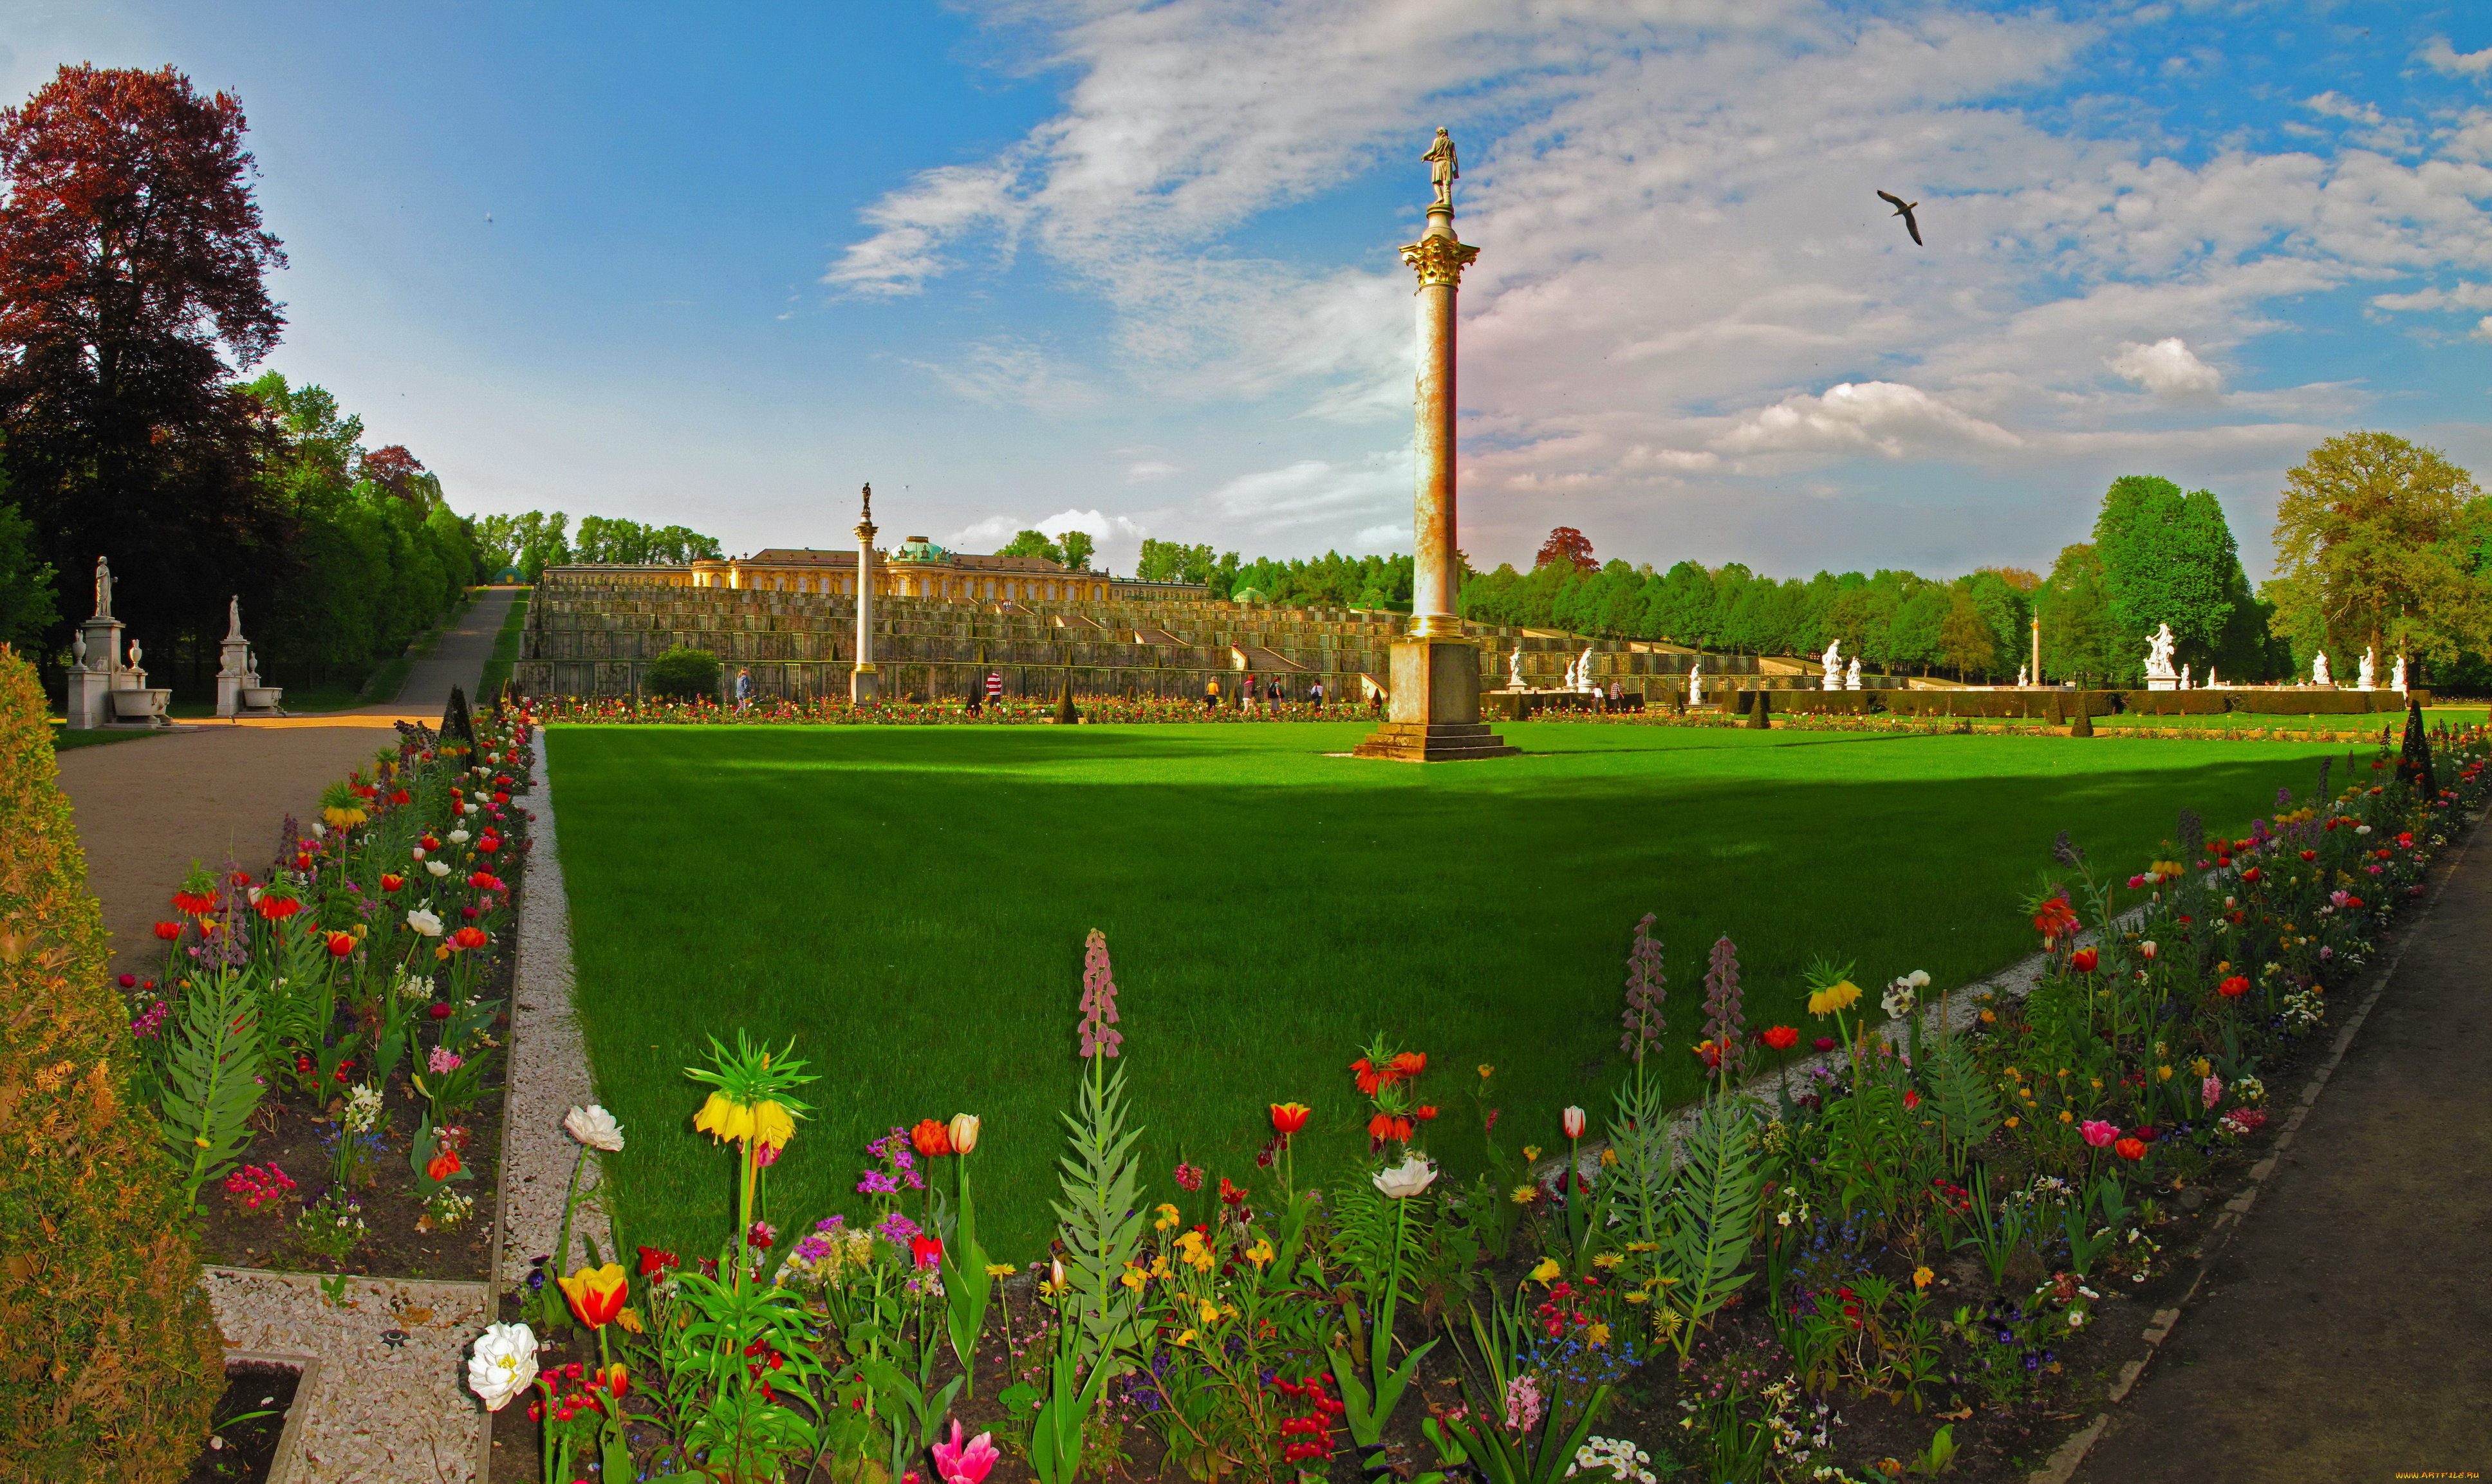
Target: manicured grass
point(909, 903)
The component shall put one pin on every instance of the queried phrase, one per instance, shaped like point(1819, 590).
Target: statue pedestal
point(1432, 712)
point(91, 683)
point(2162, 682)
point(864, 685)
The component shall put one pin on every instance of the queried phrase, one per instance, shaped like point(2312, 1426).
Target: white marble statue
point(2398, 677)
point(2211, 677)
point(1832, 659)
point(2158, 654)
point(233, 617)
point(2022, 675)
point(1696, 683)
point(2365, 677)
point(1514, 669)
point(2319, 669)
point(1851, 678)
point(103, 589)
point(1584, 672)
point(2185, 677)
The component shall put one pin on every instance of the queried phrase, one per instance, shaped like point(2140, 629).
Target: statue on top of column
point(1444, 169)
point(868, 516)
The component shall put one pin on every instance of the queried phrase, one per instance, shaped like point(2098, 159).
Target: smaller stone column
point(863, 683)
point(94, 671)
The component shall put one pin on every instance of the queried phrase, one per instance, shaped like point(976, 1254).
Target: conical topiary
point(109, 1358)
point(2414, 762)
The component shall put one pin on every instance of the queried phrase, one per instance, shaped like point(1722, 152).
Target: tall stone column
point(1433, 703)
point(864, 684)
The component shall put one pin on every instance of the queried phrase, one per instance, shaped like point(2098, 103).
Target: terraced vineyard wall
point(596, 639)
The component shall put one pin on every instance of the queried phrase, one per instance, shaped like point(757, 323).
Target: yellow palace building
point(919, 569)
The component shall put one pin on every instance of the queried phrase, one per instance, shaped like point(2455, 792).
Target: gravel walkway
point(379, 1411)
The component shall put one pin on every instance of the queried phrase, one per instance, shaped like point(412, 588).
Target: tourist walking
point(1210, 694)
point(743, 688)
point(995, 686)
point(1315, 695)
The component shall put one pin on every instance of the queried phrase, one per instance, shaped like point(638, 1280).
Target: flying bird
point(1904, 209)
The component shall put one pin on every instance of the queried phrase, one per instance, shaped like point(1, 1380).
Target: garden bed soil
point(243, 1452)
point(290, 1133)
point(231, 1236)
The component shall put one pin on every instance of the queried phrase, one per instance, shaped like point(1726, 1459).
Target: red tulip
point(1912, 1099)
point(927, 1252)
point(1290, 1117)
point(392, 882)
point(1781, 1038)
point(443, 1165)
point(933, 1139)
point(484, 880)
point(2234, 988)
point(1823, 1043)
point(2310, 856)
point(468, 937)
point(2130, 1148)
point(2084, 960)
point(341, 944)
point(428, 843)
point(1572, 1121)
point(168, 930)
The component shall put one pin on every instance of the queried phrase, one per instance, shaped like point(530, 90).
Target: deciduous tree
point(1566, 544)
point(2373, 541)
point(131, 268)
point(2169, 557)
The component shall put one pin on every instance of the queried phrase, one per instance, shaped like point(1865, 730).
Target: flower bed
point(1774, 1290)
point(321, 1042)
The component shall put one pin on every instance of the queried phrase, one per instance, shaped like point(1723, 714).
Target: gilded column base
point(864, 685)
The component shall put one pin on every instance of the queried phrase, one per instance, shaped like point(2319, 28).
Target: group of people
point(1272, 694)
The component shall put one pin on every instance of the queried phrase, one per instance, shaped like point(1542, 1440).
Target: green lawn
point(909, 903)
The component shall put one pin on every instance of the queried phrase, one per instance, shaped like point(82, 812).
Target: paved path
point(146, 809)
point(2346, 1333)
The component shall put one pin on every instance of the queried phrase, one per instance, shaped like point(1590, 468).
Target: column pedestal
point(865, 685)
point(1433, 711)
point(91, 684)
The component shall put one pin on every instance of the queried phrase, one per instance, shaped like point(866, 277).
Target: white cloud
point(1882, 417)
point(2441, 57)
point(2167, 369)
point(1685, 280)
point(1150, 469)
point(2465, 296)
point(1380, 540)
point(1010, 372)
point(1119, 538)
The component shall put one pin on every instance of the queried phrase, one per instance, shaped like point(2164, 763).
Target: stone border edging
point(306, 1376)
point(2062, 1464)
point(548, 1073)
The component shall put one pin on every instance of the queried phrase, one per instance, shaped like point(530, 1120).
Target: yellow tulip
point(1547, 1271)
point(596, 1294)
point(964, 1132)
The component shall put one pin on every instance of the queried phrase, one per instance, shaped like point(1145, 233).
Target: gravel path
point(379, 1411)
point(221, 790)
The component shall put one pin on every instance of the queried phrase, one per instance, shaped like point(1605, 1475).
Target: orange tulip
point(443, 1165)
point(614, 1379)
point(933, 1139)
point(596, 1294)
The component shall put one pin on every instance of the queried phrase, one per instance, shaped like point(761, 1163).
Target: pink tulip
point(966, 1464)
point(2099, 1133)
point(1572, 1120)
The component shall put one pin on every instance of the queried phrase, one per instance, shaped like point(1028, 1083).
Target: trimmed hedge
point(109, 1357)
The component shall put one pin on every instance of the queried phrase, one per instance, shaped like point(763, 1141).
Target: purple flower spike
point(1645, 988)
point(1725, 1025)
point(1098, 999)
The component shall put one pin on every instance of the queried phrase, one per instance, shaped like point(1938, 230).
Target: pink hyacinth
point(2099, 1133)
point(443, 1061)
point(1098, 999)
point(965, 1463)
point(2212, 1091)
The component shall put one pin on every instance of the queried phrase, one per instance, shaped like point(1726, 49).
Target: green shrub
point(109, 1358)
point(682, 672)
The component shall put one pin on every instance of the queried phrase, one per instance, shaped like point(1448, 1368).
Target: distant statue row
point(2161, 676)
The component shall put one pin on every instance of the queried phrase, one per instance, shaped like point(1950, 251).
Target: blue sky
point(1061, 262)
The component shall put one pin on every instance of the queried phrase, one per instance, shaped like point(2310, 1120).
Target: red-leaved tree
point(394, 469)
point(131, 265)
point(1566, 544)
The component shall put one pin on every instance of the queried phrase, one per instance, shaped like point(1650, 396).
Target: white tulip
point(504, 1365)
point(458, 837)
point(438, 868)
point(417, 852)
point(424, 922)
point(1918, 978)
point(595, 1127)
point(1406, 1178)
